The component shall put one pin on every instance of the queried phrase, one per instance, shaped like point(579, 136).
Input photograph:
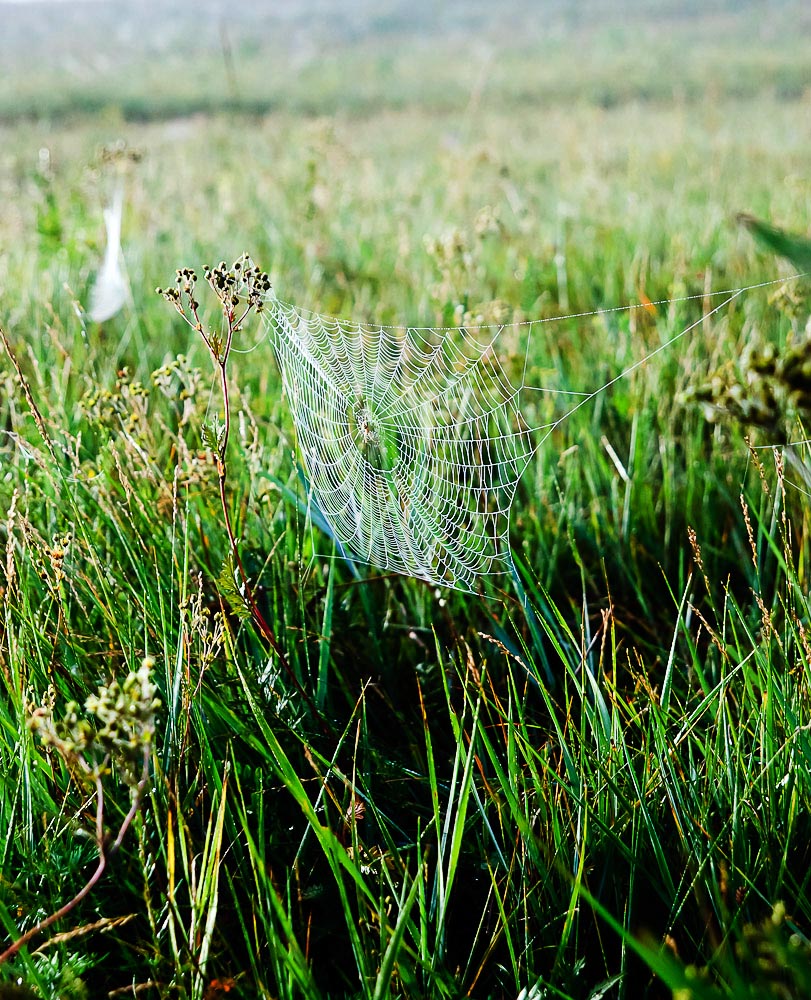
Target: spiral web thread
point(413, 438)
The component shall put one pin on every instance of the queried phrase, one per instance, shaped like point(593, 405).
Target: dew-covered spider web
point(414, 439)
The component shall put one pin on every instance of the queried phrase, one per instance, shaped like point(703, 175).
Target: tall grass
point(591, 781)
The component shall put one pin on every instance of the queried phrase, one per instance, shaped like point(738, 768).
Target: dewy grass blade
point(459, 791)
point(667, 682)
point(392, 947)
point(324, 641)
point(334, 852)
point(271, 927)
point(207, 896)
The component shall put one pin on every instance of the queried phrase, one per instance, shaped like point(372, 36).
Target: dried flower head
point(121, 734)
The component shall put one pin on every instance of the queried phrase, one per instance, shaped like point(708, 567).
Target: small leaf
point(209, 437)
point(230, 589)
point(213, 435)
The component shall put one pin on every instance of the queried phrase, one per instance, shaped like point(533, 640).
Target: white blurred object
point(110, 290)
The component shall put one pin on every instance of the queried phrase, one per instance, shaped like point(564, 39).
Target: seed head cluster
point(123, 730)
point(766, 388)
point(243, 283)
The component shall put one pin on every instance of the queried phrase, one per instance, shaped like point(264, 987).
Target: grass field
point(600, 791)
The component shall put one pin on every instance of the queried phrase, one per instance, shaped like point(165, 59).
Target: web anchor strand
point(413, 438)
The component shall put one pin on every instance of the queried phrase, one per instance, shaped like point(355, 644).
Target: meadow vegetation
point(601, 791)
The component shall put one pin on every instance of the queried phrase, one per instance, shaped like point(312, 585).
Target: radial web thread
point(413, 439)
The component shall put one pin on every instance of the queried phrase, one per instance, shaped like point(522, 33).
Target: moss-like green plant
point(117, 732)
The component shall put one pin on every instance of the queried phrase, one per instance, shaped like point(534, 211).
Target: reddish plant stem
point(105, 853)
point(222, 473)
point(220, 354)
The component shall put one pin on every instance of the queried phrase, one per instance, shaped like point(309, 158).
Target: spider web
point(413, 438)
